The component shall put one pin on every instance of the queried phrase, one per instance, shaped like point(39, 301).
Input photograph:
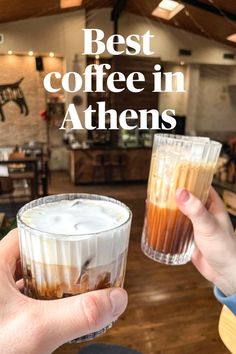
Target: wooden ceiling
point(196, 20)
point(193, 19)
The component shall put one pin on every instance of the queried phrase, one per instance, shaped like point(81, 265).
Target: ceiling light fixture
point(51, 54)
point(232, 38)
point(30, 53)
point(70, 3)
point(167, 9)
point(10, 52)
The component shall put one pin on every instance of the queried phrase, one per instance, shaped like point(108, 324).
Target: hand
point(215, 243)
point(39, 327)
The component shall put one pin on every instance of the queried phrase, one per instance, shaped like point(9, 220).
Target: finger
point(196, 256)
point(203, 221)
point(201, 264)
point(9, 250)
point(18, 271)
point(218, 209)
point(20, 284)
point(217, 204)
point(79, 315)
point(197, 259)
point(208, 204)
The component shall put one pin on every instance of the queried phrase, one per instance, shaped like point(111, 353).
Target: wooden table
point(29, 172)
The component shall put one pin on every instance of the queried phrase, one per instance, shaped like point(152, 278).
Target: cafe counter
point(109, 164)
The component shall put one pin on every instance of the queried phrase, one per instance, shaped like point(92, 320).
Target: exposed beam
point(209, 8)
point(115, 14)
point(117, 9)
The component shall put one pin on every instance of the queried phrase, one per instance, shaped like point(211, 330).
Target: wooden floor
point(171, 309)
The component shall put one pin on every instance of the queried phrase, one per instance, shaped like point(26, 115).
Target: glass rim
point(71, 237)
point(195, 140)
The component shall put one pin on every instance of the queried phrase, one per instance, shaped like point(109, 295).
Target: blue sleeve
point(229, 301)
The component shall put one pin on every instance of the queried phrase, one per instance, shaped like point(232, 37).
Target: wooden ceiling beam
point(117, 9)
point(115, 15)
point(210, 8)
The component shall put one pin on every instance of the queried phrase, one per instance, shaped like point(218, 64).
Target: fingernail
point(183, 195)
point(118, 300)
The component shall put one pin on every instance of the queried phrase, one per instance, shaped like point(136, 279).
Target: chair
point(18, 167)
point(227, 329)
point(6, 186)
point(42, 153)
point(7, 190)
point(16, 156)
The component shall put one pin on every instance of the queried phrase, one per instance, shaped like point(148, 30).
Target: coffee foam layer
point(75, 217)
point(69, 220)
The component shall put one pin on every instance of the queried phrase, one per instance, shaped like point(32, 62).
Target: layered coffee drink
point(72, 244)
point(168, 230)
point(177, 162)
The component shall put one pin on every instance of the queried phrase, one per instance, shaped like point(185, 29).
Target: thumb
point(76, 316)
point(204, 223)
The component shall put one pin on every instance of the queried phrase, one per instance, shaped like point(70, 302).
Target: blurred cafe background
point(171, 309)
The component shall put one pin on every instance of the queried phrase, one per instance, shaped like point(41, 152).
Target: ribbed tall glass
point(177, 161)
point(61, 265)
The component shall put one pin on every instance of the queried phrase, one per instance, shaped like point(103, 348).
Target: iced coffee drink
point(71, 244)
point(177, 161)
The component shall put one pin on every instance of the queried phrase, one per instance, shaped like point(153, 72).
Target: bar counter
point(109, 164)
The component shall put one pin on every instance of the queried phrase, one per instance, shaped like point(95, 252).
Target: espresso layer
point(58, 281)
point(167, 230)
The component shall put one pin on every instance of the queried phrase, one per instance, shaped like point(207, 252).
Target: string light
point(176, 23)
point(162, 25)
point(198, 25)
point(31, 53)
point(222, 13)
point(186, 12)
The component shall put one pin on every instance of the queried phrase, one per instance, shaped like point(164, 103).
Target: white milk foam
point(66, 220)
point(75, 217)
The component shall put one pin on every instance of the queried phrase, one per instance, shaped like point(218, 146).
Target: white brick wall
point(18, 129)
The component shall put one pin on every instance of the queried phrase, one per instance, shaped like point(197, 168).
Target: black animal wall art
point(13, 92)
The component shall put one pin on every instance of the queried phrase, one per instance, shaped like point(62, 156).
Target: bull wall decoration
point(13, 92)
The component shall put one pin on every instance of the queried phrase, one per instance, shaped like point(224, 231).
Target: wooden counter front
point(84, 166)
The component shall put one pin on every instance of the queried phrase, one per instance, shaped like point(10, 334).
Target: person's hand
point(39, 327)
point(215, 243)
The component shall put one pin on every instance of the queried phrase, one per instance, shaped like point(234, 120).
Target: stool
point(7, 190)
point(101, 164)
point(118, 163)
